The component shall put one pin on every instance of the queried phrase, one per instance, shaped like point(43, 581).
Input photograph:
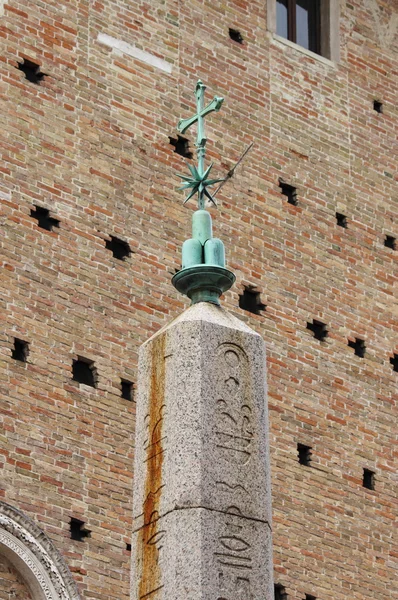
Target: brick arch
point(34, 557)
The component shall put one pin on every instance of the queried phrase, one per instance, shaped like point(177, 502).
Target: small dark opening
point(309, 597)
point(319, 329)
point(78, 531)
point(359, 347)
point(181, 146)
point(20, 351)
point(84, 371)
point(119, 248)
point(31, 70)
point(390, 242)
point(378, 106)
point(394, 362)
point(304, 454)
point(235, 35)
point(250, 300)
point(279, 592)
point(341, 220)
point(127, 388)
point(128, 547)
point(290, 192)
point(42, 216)
point(368, 479)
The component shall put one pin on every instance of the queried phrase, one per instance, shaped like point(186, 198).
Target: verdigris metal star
point(198, 183)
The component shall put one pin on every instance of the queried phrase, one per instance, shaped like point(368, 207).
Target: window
point(313, 25)
point(299, 22)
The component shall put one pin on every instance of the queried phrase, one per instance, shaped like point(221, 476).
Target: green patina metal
point(203, 277)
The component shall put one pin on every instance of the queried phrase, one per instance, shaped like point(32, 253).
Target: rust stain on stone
point(151, 535)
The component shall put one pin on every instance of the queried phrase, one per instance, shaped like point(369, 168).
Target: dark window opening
point(390, 242)
point(250, 300)
point(319, 329)
point(42, 216)
point(289, 191)
point(127, 388)
point(279, 592)
point(368, 479)
point(119, 248)
point(235, 35)
point(31, 70)
point(341, 220)
point(20, 351)
point(394, 362)
point(84, 371)
point(78, 531)
point(309, 597)
point(304, 454)
point(128, 547)
point(299, 21)
point(377, 106)
point(181, 146)
point(359, 347)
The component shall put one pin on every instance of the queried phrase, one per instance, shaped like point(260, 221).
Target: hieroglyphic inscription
point(234, 431)
point(234, 435)
point(234, 560)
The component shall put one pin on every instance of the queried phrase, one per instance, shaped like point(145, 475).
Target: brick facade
point(90, 143)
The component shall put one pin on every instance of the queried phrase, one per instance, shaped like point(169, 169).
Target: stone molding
point(35, 557)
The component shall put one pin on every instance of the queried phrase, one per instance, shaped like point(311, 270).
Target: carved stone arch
point(35, 557)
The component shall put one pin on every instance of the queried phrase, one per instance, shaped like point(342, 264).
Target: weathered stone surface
point(201, 417)
point(201, 465)
point(202, 554)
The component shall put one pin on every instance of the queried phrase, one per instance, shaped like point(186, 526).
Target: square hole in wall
point(20, 351)
point(280, 592)
point(235, 35)
point(289, 191)
point(359, 347)
point(43, 218)
point(31, 70)
point(394, 362)
point(181, 146)
point(378, 106)
point(341, 220)
point(127, 389)
point(119, 248)
point(390, 242)
point(250, 300)
point(319, 330)
point(84, 371)
point(368, 480)
point(77, 530)
point(304, 454)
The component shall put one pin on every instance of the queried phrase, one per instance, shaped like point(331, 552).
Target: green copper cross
point(198, 181)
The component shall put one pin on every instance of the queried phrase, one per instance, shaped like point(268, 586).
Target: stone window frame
point(330, 28)
point(35, 557)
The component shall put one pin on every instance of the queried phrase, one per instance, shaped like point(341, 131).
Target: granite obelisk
point(202, 508)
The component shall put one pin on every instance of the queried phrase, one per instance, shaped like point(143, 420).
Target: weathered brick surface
point(12, 586)
point(91, 143)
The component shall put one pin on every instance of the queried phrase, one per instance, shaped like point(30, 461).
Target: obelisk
point(201, 501)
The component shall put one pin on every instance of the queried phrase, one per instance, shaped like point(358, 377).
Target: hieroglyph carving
point(234, 430)
point(234, 427)
point(234, 559)
point(233, 439)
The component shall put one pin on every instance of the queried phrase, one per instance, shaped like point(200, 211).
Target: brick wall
point(91, 145)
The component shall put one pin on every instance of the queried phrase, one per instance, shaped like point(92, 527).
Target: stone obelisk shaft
point(202, 509)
